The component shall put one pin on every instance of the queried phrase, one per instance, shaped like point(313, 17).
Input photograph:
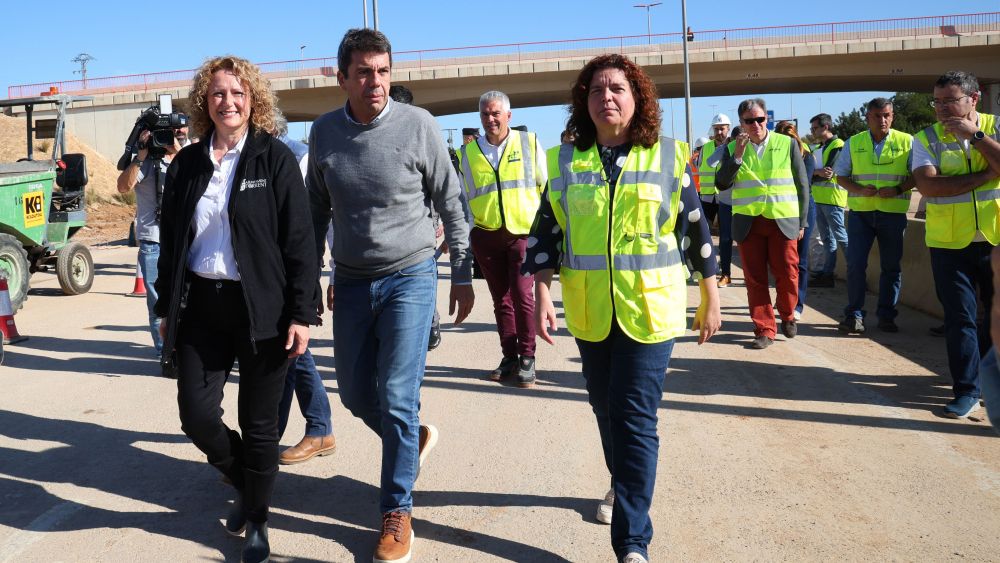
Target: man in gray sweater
point(376, 166)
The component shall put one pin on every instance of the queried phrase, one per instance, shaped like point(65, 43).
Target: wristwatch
point(976, 137)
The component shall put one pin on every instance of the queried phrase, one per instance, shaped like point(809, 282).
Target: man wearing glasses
point(714, 202)
point(770, 191)
point(874, 169)
point(956, 165)
point(830, 198)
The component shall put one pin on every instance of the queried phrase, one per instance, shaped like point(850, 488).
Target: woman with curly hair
point(619, 217)
point(238, 280)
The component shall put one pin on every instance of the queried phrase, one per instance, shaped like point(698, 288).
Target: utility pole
point(687, 71)
point(375, 13)
point(364, 10)
point(82, 59)
point(649, 24)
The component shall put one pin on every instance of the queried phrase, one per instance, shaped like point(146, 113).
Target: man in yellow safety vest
point(770, 189)
point(956, 165)
point(874, 168)
point(830, 198)
point(503, 176)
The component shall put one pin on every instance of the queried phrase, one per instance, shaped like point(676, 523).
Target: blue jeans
point(725, 239)
point(304, 382)
point(989, 374)
point(380, 329)
point(832, 231)
point(149, 254)
point(803, 247)
point(625, 386)
point(958, 274)
point(863, 229)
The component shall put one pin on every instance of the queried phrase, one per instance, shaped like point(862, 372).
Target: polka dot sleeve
point(545, 240)
point(693, 235)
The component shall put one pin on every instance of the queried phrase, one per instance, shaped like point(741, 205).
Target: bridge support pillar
point(990, 98)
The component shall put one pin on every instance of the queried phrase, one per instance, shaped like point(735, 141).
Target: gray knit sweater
point(378, 181)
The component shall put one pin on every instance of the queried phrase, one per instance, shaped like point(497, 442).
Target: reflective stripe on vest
point(764, 186)
point(888, 168)
point(516, 171)
point(952, 222)
point(829, 192)
point(645, 276)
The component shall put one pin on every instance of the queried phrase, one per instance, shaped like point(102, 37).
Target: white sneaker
point(798, 315)
point(634, 558)
point(605, 507)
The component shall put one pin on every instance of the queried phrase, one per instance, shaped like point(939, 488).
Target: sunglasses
point(757, 120)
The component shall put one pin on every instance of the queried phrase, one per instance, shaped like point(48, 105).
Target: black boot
point(236, 522)
point(256, 549)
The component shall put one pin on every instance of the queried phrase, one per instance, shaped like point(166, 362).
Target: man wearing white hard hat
point(713, 201)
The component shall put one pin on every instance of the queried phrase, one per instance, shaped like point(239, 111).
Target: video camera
point(160, 120)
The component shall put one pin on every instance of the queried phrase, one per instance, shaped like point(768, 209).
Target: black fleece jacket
point(272, 235)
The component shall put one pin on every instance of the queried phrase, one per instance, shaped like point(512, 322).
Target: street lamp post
point(375, 13)
point(649, 24)
point(364, 10)
point(687, 71)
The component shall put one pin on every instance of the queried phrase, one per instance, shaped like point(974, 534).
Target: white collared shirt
point(384, 112)
point(758, 148)
point(211, 255)
point(492, 152)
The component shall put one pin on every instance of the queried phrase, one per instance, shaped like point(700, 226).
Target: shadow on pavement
point(191, 500)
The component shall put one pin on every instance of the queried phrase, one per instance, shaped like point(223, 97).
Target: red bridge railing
point(777, 36)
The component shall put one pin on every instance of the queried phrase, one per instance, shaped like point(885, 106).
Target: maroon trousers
point(765, 245)
point(500, 255)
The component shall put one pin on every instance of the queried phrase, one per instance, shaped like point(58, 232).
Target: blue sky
point(139, 37)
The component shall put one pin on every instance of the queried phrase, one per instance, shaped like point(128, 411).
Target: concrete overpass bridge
point(888, 55)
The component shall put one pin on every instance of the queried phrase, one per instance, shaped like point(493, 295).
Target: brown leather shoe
point(396, 543)
point(724, 281)
point(307, 448)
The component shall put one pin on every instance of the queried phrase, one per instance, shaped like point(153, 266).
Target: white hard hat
point(700, 142)
point(720, 119)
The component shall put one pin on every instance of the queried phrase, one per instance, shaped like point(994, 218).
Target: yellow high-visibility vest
point(829, 192)
point(765, 186)
point(888, 168)
point(513, 184)
point(706, 171)
point(952, 221)
point(620, 258)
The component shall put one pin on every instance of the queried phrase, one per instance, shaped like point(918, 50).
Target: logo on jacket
point(253, 184)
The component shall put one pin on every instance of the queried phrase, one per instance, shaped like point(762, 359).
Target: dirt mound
point(108, 219)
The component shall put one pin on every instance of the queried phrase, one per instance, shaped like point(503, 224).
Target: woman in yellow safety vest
point(619, 216)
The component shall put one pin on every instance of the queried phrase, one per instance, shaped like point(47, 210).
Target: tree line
point(913, 112)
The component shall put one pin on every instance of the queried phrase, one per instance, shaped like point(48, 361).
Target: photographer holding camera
point(146, 174)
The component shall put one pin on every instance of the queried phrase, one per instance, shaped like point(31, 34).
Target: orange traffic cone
point(139, 289)
point(7, 326)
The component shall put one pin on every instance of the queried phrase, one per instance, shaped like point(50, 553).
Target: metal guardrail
point(749, 37)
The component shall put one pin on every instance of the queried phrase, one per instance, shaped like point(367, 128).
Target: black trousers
point(212, 334)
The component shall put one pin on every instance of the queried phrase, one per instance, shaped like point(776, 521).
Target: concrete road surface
point(821, 448)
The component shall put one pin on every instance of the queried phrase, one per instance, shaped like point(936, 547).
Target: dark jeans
point(725, 239)
point(958, 275)
point(863, 229)
point(500, 255)
point(724, 212)
point(303, 381)
point(213, 333)
point(625, 385)
point(803, 247)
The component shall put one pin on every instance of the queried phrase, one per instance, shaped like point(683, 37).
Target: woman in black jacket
point(238, 280)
